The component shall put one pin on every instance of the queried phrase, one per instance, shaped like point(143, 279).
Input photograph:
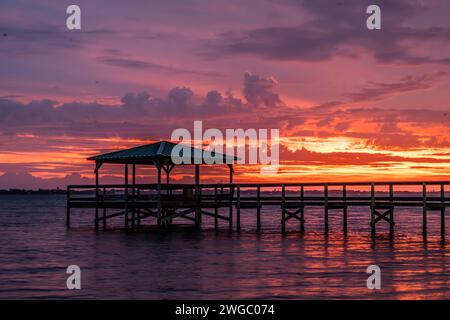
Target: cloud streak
point(338, 30)
point(128, 63)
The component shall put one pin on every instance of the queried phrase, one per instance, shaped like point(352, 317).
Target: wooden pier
point(166, 202)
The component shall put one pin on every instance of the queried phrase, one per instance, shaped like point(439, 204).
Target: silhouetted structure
point(164, 202)
point(142, 201)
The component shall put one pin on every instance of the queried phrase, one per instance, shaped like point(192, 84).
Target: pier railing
point(355, 193)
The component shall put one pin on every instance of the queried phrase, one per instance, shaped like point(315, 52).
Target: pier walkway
point(166, 202)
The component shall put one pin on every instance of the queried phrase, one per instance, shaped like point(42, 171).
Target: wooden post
point(133, 211)
point(391, 214)
point(258, 209)
point(424, 209)
point(238, 208)
point(104, 209)
point(126, 196)
point(216, 209)
point(442, 211)
point(139, 210)
point(68, 207)
point(302, 215)
point(344, 196)
point(200, 192)
point(168, 167)
point(197, 196)
point(283, 208)
point(197, 174)
point(96, 196)
point(230, 212)
point(372, 206)
point(326, 207)
point(158, 168)
point(391, 221)
point(168, 175)
point(230, 217)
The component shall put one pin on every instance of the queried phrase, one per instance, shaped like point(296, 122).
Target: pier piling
point(344, 210)
point(258, 209)
point(68, 207)
point(126, 197)
point(216, 211)
point(302, 199)
point(283, 208)
point(96, 198)
point(238, 209)
point(424, 210)
point(443, 211)
point(326, 207)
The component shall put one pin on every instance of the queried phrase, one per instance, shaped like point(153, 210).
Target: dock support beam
point(302, 196)
point(238, 209)
point(424, 210)
point(291, 210)
point(216, 210)
point(230, 217)
point(68, 207)
point(104, 211)
point(326, 207)
point(391, 200)
point(126, 196)
point(376, 215)
point(138, 211)
point(97, 167)
point(230, 166)
point(443, 211)
point(258, 209)
point(158, 169)
point(133, 192)
point(230, 214)
point(198, 211)
point(283, 208)
point(391, 223)
point(344, 197)
point(372, 209)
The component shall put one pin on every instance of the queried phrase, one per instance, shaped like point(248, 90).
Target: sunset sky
point(350, 103)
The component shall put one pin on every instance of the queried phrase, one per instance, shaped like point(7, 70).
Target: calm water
point(183, 263)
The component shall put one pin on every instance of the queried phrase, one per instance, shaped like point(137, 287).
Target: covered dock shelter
point(163, 201)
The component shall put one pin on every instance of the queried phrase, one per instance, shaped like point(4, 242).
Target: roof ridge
point(156, 149)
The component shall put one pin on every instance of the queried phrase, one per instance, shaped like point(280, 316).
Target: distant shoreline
point(64, 192)
point(31, 192)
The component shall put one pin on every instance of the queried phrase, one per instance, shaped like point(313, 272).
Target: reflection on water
point(183, 263)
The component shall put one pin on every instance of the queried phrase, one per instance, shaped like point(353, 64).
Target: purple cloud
point(338, 28)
